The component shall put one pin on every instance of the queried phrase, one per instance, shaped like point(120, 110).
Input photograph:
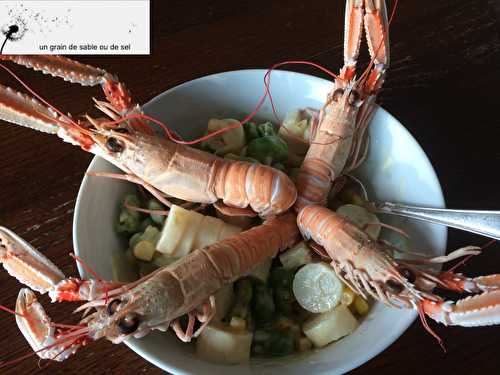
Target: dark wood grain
point(443, 86)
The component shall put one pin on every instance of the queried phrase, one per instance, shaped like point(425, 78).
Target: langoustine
point(154, 302)
point(368, 267)
point(128, 142)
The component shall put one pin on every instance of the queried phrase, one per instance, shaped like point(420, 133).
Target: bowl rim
point(371, 353)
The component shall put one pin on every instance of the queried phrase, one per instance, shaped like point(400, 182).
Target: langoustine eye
point(113, 306)
point(114, 145)
point(128, 324)
point(408, 274)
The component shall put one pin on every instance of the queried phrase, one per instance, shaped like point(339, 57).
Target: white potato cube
point(297, 256)
point(218, 343)
point(209, 232)
point(144, 250)
point(172, 233)
point(325, 328)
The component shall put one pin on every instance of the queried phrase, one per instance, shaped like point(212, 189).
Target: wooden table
point(443, 86)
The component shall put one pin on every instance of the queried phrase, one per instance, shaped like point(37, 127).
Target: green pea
point(153, 204)
point(127, 223)
point(134, 201)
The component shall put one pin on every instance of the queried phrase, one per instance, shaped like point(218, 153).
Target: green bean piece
point(251, 131)
point(153, 204)
point(263, 308)
point(270, 148)
point(243, 292)
point(127, 223)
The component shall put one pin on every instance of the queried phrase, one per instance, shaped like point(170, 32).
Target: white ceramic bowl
point(396, 170)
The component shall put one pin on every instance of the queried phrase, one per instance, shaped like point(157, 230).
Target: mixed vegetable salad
point(288, 304)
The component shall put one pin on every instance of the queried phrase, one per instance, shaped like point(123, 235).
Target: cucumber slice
point(317, 288)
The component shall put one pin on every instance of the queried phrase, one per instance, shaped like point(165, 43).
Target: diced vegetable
point(127, 223)
point(134, 201)
point(251, 131)
point(219, 343)
point(273, 342)
point(317, 288)
point(134, 239)
point(261, 271)
point(238, 324)
point(223, 300)
point(361, 306)
point(268, 149)
point(210, 233)
point(266, 128)
point(145, 223)
point(151, 234)
point(153, 204)
point(297, 256)
point(243, 293)
point(144, 250)
point(161, 260)
point(281, 280)
point(178, 234)
point(324, 328)
point(230, 141)
point(173, 232)
point(124, 267)
point(360, 216)
point(295, 132)
point(263, 308)
point(348, 296)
